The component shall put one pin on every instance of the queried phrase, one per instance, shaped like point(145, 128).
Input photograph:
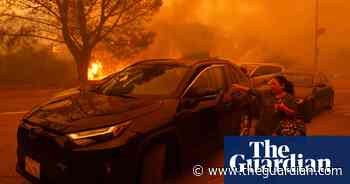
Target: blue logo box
point(287, 160)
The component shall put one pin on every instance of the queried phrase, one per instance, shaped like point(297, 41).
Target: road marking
point(12, 113)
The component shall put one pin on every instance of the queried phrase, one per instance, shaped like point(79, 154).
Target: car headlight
point(91, 136)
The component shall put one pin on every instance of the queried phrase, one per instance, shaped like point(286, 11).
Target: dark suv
point(134, 125)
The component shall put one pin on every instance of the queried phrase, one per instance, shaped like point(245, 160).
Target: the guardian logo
point(287, 160)
point(267, 155)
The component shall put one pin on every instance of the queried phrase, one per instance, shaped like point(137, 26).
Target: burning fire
point(95, 71)
point(99, 69)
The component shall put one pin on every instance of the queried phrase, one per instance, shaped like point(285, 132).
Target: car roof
point(263, 64)
point(297, 73)
point(187, 62)
point(301, 73)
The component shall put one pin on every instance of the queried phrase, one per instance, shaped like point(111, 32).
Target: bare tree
point(83, 25)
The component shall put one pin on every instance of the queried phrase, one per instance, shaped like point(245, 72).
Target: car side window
point(242, 78)
point(202, 82)
point(232, 74)
point(218, 78)
point(266, 70)
point(212, 78)
point(275, 69)
point(260, 71)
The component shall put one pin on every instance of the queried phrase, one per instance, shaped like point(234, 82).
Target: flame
point(100, 69)
point(95, 71)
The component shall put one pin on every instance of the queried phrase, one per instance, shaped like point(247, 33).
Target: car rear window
point(301, 80)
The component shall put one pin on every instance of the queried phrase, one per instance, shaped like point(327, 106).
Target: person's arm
point(245, 89)
point(240, 87)
point(288, 106)
point(283, 107)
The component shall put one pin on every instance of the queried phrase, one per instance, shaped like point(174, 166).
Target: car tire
point(153, 165)
point(309, 111)
point(245, 124)
point(331, 102)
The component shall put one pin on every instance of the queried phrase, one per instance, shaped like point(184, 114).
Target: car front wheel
point(331, 102)
point(309, 110)
point(153, 165)
point(245, 124)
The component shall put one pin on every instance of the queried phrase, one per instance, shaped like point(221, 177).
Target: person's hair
point(288, 86)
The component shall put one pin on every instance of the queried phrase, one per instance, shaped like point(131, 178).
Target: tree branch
point(45, 7)
point(63, 11)
point(99, 27)
point(110, 14)
point(31, 19)
point(32, 35)
point(82, 23)
point(92, 5)
point(124, 23)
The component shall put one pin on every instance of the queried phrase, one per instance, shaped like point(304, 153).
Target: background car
point(314, 92)
point(261, 73)
point(134, 125)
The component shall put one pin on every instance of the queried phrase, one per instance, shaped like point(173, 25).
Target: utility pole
point(317, 35)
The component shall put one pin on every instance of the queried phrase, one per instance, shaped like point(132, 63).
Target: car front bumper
point(58, 166)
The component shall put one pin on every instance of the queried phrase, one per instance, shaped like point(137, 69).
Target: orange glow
point(95, 71)
point(101, 68)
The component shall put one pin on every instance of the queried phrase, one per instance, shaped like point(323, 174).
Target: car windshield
point(301, 80)
point(160, 79)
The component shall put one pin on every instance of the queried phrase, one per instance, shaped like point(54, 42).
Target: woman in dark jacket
point(279, 109)
point(286, 108)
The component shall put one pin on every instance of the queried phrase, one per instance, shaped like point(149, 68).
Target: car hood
point(303, 92)
point(75, 110)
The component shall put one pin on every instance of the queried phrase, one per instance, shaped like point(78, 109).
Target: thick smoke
point(253, 30)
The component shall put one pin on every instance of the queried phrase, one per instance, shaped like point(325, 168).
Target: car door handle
point(236, 94)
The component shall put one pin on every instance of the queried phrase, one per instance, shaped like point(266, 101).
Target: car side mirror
point(189, 103)
point(195, 96)
point(200, 93)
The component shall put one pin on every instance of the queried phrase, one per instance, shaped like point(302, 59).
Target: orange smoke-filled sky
point(250, 29)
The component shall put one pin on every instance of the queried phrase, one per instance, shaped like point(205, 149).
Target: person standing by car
point(286, 108)
point(278, 109)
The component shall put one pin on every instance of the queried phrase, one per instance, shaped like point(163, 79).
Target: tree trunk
point(82, 68)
